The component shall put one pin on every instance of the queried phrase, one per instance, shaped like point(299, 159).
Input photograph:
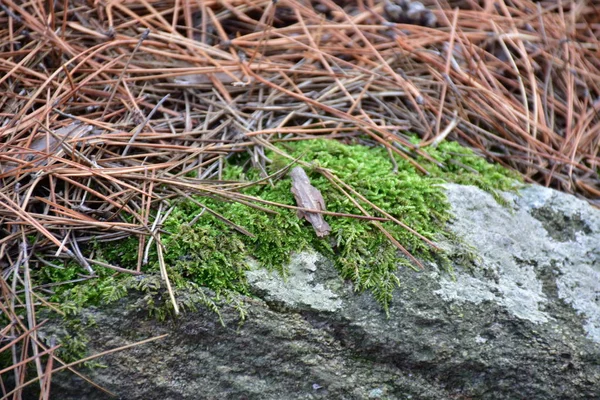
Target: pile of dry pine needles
point(106, 107)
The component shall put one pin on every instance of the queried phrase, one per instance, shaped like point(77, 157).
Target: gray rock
point(520, 320)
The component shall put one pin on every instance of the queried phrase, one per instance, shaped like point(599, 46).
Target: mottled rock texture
point(520, 319)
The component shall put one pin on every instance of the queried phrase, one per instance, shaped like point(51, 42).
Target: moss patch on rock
point(211, 253)
point(207, 258)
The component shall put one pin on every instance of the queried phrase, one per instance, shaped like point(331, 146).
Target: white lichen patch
point(499, 244)
point(299, 289)
point(515, 244)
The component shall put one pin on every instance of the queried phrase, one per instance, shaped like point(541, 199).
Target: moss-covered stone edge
point(209, 253)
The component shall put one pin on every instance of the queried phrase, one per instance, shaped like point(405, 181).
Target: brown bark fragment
point(307, 196)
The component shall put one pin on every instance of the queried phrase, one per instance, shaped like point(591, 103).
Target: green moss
point(461, 165)
point(211, 253)
point(106, 287)
point(70, 298)
point(204, 254)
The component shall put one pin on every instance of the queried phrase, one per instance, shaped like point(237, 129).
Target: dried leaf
point(308, 196)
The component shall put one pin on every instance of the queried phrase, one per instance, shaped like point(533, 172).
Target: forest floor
point(112, 111)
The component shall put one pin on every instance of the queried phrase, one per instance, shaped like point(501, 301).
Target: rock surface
point(520, 320)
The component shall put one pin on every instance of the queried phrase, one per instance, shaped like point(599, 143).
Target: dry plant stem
point(45, 392)
point(158, 221)
point(449, 58)
point(29, 303)
point(24, 216)
point(163, 273)
point(17, 339)
point(141, 126)
point(349, 117)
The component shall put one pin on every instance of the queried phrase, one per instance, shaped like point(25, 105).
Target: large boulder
point(518, 319)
